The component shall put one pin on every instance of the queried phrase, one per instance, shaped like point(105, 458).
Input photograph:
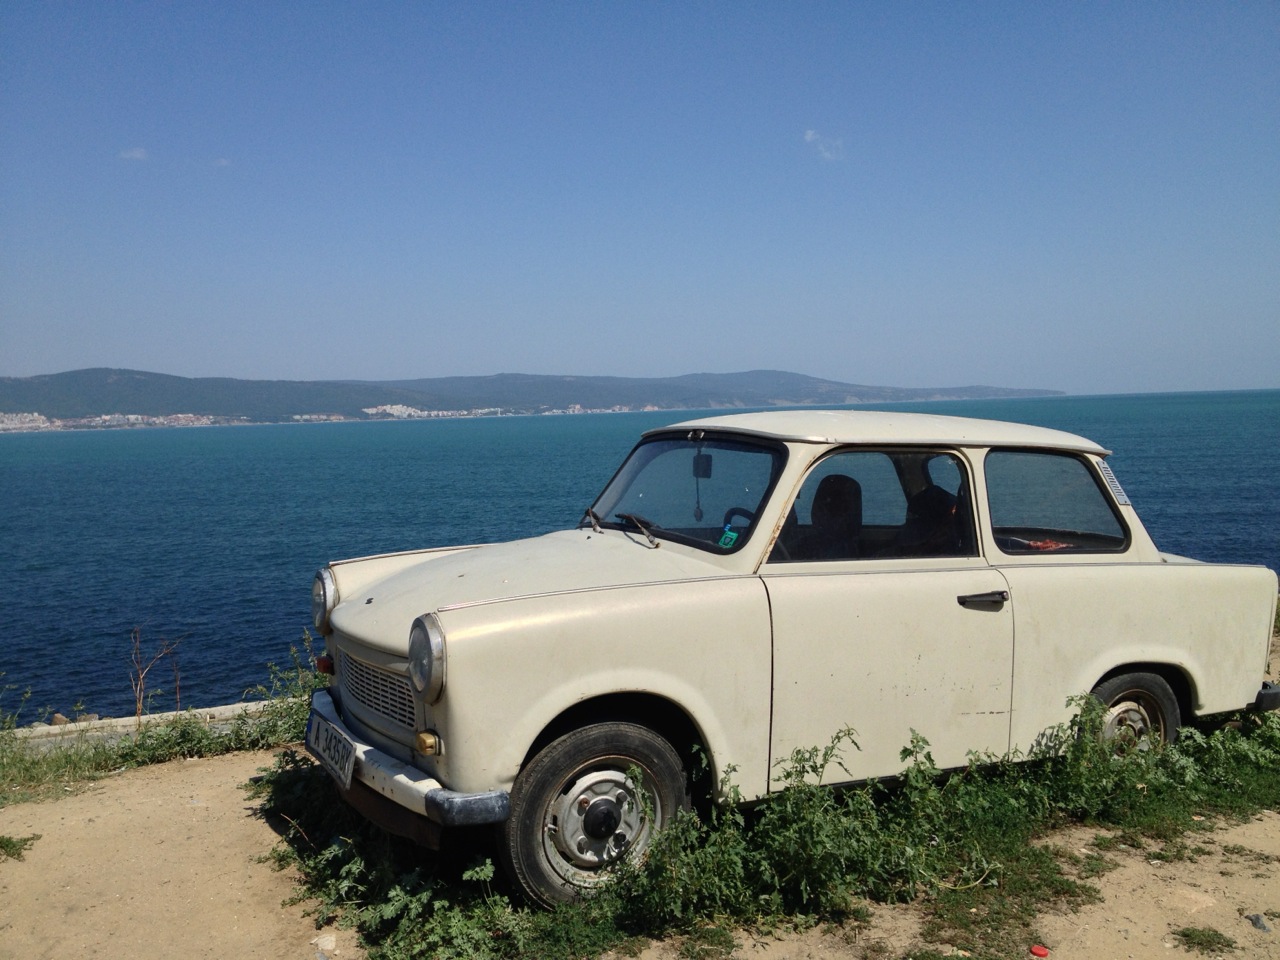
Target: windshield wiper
point(641, 524)
point(594, 518)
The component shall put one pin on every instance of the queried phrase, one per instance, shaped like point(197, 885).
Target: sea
point(204, 540)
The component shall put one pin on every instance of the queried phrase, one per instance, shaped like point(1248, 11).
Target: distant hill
point(96, 392)
point(694, 391)
point(87, 393)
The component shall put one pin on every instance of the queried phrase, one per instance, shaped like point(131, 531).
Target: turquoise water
point(210, 536)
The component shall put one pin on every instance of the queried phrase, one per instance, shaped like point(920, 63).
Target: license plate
point(332, 748)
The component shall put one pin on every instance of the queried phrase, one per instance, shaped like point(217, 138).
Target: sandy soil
point(159, 862)
point(163, 861)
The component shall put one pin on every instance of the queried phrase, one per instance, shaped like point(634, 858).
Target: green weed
point(1246, 853)
point(13, 848)
point(1095, 865)
point(1204, 940)
point(710, 942)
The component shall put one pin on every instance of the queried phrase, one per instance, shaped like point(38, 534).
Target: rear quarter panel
point(1075, 623)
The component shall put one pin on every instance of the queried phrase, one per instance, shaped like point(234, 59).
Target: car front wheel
point(585, 801)
point(1141, 710)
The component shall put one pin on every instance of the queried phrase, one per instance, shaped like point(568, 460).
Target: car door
point(891, 622)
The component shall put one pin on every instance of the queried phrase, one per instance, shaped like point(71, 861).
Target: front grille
point(385, 693)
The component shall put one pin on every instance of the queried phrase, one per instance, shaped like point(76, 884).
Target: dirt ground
point(163, 861)
point(159, 862)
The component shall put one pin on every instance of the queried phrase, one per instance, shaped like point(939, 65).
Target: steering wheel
point(738, 512)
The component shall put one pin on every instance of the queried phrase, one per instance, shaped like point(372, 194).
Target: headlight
point(324, 597)
point(426, 656)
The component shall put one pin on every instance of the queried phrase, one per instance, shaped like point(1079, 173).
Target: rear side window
point(1050, 502)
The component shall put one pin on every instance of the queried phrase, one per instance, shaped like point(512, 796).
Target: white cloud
point(222, 162)
point(828, 148)
point(135, 153)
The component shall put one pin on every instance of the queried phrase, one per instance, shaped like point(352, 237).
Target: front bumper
point(399, 797)
point(1268, 698)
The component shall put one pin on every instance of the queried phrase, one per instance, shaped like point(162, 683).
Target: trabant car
point(750, 584)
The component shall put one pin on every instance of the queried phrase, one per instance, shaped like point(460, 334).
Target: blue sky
point(1080, 196)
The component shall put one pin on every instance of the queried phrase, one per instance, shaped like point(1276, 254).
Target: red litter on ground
point(1039, 951)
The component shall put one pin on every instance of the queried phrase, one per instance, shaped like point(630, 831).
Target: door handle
point(990, 597)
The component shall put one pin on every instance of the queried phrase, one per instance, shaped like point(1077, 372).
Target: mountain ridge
point(100, 392)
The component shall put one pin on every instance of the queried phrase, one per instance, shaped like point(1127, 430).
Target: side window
point(861, 504)
point(1049, 502)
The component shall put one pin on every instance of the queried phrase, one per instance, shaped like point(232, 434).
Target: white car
point(751, 584)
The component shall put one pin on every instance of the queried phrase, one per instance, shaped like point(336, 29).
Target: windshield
point(691, 488)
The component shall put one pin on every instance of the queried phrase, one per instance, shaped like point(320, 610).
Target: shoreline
point(35, 422)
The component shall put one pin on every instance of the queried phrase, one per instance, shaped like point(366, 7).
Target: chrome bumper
point(395, 784)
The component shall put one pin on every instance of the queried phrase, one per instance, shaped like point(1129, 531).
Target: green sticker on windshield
point(728, 539)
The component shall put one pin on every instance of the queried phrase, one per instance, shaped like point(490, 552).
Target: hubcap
point(597, 819)
point(1132, 722)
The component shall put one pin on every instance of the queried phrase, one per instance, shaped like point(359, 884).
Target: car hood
point(379, 611)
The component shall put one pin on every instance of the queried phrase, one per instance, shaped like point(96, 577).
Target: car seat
point(836, 520)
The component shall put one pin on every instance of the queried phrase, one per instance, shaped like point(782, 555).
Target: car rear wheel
point(1141, 710)
point(584, 802)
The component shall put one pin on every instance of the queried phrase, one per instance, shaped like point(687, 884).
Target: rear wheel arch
point(1141, 709)
point(1179, 682)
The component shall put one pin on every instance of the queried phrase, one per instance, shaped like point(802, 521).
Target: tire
point(575, 810)
point(1141, 710)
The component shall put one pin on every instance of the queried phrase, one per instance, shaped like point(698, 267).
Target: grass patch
point(31, 772)
point(708, 943)
point(1204, 940)
point(1246, 853)
point(13, 848)
point(1096, 865)
point(965, 845)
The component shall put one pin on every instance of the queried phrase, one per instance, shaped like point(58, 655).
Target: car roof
point(885, 427)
